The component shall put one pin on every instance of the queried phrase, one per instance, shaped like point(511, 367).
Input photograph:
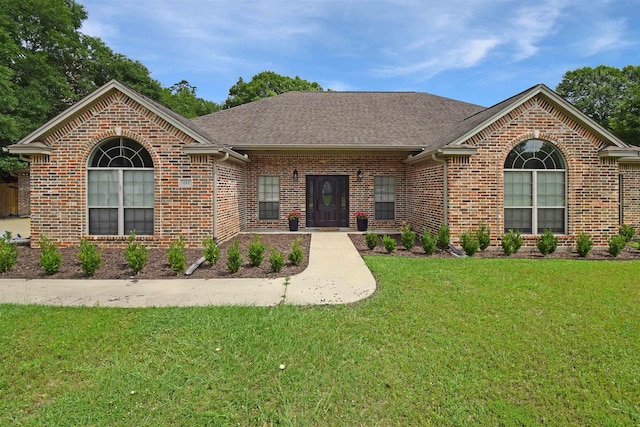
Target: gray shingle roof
point(396, 120)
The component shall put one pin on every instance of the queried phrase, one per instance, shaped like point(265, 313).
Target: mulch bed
point(114, 265)
point(628, 253)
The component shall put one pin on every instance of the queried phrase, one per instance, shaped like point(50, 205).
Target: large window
point(535, 188)
point(120, 189)
point(268, 197)
point(385, 197)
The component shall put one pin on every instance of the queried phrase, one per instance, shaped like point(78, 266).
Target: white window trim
point(269, 201)
point(395, 197)
point(534, 196)
point(121, 208)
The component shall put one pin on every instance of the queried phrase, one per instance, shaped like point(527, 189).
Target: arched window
point(120, 188)
point(535, 179)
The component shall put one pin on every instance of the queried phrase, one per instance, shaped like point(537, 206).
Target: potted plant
point(362, 219)
point(294, 219)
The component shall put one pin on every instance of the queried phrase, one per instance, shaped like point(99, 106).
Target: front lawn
point(443, 342)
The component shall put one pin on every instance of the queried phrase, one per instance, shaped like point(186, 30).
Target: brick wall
point(231, 199)
point(630, 175)
point(476, 185)
point(58, 181)
point(293, 194)
point(426, 196)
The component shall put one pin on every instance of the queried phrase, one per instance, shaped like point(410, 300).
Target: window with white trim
point(120, 189)
point(535, 188)
point(385, 197)
point(268, 197)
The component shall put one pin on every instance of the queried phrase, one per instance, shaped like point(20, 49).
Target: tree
point(608, 95)
point(181, 98)
point(265, 84)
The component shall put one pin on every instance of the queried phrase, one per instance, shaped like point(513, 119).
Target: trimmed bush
point(428, 242)
point(136, 254)
point(484, 237)
point(443, 238)
point(389, 243)
point(584, 244)
point(256, 251)
point(176, 257)
point(408, 237)
point(90, 257)
point(616, 244)
point(627, 231)
point(469, 242)
point(50, 259)
point(211, 251)
point(547, 243)
point(512, 242)
point(8, 252)
point(296, 256)
point(372, 240)
point(276, 260)
point(234, 257)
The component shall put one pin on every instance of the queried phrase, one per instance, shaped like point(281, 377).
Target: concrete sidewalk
point(336, 275)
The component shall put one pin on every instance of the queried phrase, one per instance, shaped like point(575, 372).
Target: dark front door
point(327, 201)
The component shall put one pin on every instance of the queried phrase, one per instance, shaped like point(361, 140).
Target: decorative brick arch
point(120, 133)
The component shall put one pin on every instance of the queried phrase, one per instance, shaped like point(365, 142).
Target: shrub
point(469, 243)
point(584, 244)
point(296, 256)
point(176, 257)
point(428, 242)
point(372, 240)
point(547, 243)
point(389, 243)
point(444, 237)
point(136, 254)
point(276, 260)
point(8, 253)
point(90, 257)
point(211, 251)
point(484, 237)
point(50, 259)
point(256, 251)
point(234, 257)
point(512, 242)
point(408, 237)
point(616, 244)
point(627, 231)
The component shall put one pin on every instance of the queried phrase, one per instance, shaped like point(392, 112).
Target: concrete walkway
point(336, 275)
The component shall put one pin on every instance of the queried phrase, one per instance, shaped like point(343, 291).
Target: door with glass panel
point(327, 201)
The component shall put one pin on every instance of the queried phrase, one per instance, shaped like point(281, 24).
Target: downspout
point(215, 194)
point(445, 187)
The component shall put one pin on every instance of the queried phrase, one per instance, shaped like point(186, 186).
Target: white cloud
point(605, 35)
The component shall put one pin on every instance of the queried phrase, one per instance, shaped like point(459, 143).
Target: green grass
point(443, 342)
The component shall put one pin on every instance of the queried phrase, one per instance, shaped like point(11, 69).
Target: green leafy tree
point(264, 85)
point(181, 98)
point(609, 95)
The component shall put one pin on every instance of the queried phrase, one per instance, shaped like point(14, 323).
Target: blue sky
point(478, 51)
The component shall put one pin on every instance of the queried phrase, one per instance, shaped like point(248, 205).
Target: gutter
point(445, 187)
point(215, 194)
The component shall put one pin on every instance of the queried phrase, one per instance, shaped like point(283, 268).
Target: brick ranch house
point(118, 160)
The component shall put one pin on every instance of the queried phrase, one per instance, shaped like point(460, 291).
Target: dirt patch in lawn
point(114, 265)
point(628, 253)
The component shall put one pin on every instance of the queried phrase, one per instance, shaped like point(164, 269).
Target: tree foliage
point(264, 85)
point(47, 64)
point(181, 98)
point(609, 95)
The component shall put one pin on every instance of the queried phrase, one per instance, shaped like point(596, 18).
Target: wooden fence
point(8, 199)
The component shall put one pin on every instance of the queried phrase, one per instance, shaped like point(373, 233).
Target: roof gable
point(32, 143)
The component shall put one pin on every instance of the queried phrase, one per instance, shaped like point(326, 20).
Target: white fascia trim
point(315, 147)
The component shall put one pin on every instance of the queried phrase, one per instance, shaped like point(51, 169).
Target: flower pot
point(293, 224)
point(363, 223)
